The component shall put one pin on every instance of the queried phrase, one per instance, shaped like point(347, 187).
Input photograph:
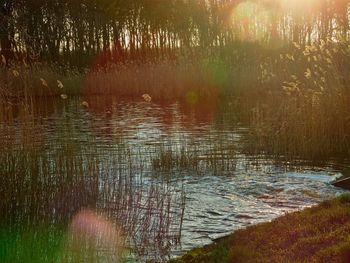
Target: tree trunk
point(5, 36)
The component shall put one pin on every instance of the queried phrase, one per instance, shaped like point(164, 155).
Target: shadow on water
point(154, 179)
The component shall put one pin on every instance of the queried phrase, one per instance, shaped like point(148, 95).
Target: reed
point(306, 116)
point(47, 180)
point(216, 158)
point(297, 96)
point(185, 77)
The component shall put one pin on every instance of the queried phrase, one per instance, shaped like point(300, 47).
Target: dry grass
point(318, 234)
point(189, 78)
point(297, 96)
point(304, 112)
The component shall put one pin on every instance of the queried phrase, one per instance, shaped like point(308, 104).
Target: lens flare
point(92, 238)
point(256, 22)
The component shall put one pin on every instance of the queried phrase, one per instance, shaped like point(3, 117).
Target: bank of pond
point(317, 234)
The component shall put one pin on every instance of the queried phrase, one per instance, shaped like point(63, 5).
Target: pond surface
point(175, 176)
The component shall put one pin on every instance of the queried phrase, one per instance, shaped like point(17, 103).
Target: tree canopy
point(70, 31)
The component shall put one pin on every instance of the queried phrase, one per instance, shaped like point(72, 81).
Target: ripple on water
point(217, 206)
point(249, 190)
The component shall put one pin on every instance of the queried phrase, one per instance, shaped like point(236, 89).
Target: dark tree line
point(71, 31)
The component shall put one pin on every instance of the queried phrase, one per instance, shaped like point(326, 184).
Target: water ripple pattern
point(225, 189)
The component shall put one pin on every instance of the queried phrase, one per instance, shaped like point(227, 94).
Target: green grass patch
point(36, 244)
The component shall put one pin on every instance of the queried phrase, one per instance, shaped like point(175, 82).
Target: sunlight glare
point(250, 16)
point(300, 5)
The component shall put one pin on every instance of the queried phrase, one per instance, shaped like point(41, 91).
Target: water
point(187, 157)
